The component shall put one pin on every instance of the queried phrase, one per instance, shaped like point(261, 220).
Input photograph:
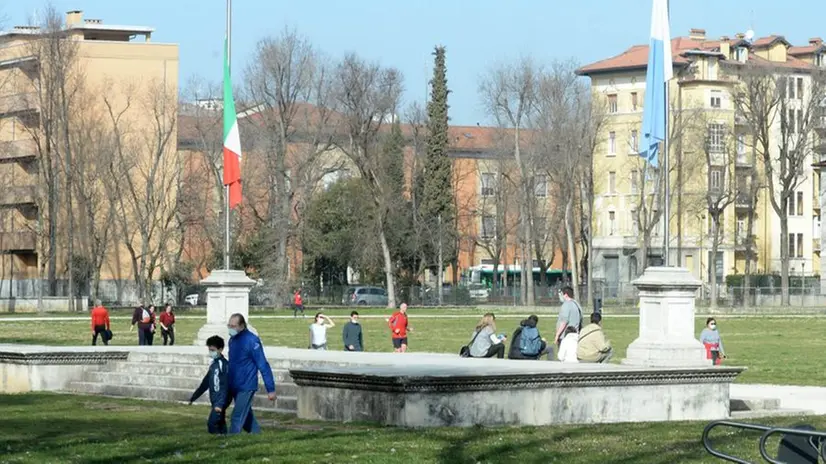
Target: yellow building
point(112, 68)
point(709, 145)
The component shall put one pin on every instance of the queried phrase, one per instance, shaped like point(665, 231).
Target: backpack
point(530, 343)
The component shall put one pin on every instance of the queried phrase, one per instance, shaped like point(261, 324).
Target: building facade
point(712, 150)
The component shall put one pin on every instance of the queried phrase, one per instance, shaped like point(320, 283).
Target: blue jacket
point(246, 359)
point(216, 382)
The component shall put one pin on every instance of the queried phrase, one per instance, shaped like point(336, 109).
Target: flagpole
point(666, 167)
point(226, 188)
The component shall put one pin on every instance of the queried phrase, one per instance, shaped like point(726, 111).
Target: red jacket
point(398, 321)
point(167, 319)
point(100, 316)
point(297, 299)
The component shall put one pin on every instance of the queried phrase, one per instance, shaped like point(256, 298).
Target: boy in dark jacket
point(216, 382)
point(516, 341)
point(352, 334)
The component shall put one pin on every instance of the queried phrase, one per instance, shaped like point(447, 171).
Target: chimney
point(740, 35)
point(697, 34)
point(725, 38)
point(74, 17)
point(815, 41)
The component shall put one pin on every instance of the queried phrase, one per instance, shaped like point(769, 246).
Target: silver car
point(365, 296)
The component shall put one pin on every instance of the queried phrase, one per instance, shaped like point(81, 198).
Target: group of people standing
point(352, 334)
point(147, 323)
point(574, 342)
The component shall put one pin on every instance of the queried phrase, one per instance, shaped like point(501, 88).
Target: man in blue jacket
point(246, 359)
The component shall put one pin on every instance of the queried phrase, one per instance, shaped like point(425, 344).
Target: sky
point(478, 34)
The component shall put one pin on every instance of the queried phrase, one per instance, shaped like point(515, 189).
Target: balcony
point(743, 161)
point(743, 201)
point(29, 61)
point(742, 241)
point(18, 241)
point(740, 120)
point(16, 196)
point(18, 150)
point(816, 245)
point(18, 103)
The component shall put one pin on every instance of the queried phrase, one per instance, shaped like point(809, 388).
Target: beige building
point(701, 95)
point(114, 70)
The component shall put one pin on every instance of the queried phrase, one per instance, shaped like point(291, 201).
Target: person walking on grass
point(246, 360)
point(298, 303)
point(167, 320)
point(352, 334)
point(710, 338)
point(100, 323)
point(217, 383)
point(144, 320)
point(318, 332)
point(485, 343)
point(398, 329)
point(570, 314)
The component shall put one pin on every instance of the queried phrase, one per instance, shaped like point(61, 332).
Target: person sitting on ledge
point(486, 344)
point(593, 347)
point(527, 343)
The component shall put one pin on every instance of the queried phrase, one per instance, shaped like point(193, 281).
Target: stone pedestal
point(666, 320)
point(228, 293)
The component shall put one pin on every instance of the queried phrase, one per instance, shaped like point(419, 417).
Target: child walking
point(216, 382)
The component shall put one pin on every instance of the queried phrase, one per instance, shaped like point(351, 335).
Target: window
point(635, 102)
point(819, 60)
point(540, 225)
point(488, 184)
point(635, 224)
point(715, 179)
point(800, 203)
point(488, 226)
point(740, 233)
point(721, 222)
point(742, 54)
point(800, 88)
point(795, 246)
point(716, 99)
point(635, 142)
point(716, 138)
point(612, 143)
point(612, 223)
point(612, 183)
point(790, 206)
point(741, 144)
point(541, 186)
point(634, 180)
point(712, 69)
point(799, 245)
point(791, 88)
point(612, 103)
point(718, 266)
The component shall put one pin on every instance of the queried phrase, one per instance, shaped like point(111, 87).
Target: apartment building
point(107, 59)
point(709, 143)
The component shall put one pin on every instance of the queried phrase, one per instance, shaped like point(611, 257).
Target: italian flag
point(232, 141)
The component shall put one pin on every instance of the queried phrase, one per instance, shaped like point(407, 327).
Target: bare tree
point(368, 95)
point(294, 129)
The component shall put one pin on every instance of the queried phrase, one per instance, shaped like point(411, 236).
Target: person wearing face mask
point(710, 338)
point(318, 332)
point(246, 360)
point(216, 382)
point(352, 334)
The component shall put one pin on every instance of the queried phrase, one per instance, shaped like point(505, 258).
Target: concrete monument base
point(666, 320)
point(227, 294)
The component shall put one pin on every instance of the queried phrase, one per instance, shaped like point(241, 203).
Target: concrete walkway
point(791, 397)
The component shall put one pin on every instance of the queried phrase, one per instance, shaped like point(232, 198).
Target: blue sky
point(477, 33)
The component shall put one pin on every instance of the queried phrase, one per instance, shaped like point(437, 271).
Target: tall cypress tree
point(437, 191)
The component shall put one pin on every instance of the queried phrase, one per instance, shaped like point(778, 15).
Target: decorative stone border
point(62, 357)
point(399, 383)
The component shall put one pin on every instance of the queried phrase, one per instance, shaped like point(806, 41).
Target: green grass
point(48, 428)
point(773, 349)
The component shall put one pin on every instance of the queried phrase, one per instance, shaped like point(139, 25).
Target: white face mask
point(232, 332)
point(712, 326)
point(354, 321)
point(214, 354)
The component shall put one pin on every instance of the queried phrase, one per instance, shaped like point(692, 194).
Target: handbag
point(464, 352)
point(107, 335)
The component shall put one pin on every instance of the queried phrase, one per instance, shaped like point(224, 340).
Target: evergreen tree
point(436, 208)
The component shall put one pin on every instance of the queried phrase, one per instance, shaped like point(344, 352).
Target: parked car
point(192, 299)
point(365, 296)
point(479, 292)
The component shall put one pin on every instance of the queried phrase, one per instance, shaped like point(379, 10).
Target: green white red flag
point(232, 140)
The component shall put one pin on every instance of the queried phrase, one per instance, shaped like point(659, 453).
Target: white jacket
point(567, 348)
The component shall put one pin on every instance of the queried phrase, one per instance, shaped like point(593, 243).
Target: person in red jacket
point(167, 320)
point(100, 323)
point(399, 329)
point(298, 303)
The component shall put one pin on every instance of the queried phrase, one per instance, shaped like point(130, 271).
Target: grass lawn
point(775, 350)
point(48, 428)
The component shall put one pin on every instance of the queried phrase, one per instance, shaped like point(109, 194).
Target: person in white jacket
point(568, 346)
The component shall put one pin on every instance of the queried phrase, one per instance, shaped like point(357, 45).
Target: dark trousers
point(297, 308)
point(100, 330)
point(242, 416)
point(145, 335)
point(168, 335)
point(217, 422)
point(497, 350)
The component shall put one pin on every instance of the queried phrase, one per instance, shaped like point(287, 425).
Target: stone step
point(761, 413)
point(170, 358)
point(754, 404)
point(174, 370)
point(167, 381)
point(284, 404)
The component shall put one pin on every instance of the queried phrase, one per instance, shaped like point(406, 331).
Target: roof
point(810, 49)
point(636, 57)
point(88, 26)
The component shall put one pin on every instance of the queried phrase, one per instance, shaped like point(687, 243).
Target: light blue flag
point(657, 75)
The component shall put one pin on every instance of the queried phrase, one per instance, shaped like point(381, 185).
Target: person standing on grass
point(167, 320)
point(399, 328)
point(152, 327)
point(246, 360)
point(318, 332)
point(298, 303)
point(710, 338)
point(352, 334)
point(486, 344)
point(570, 314)
point(100, 323)
point(216, 382)
point(144, 319)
